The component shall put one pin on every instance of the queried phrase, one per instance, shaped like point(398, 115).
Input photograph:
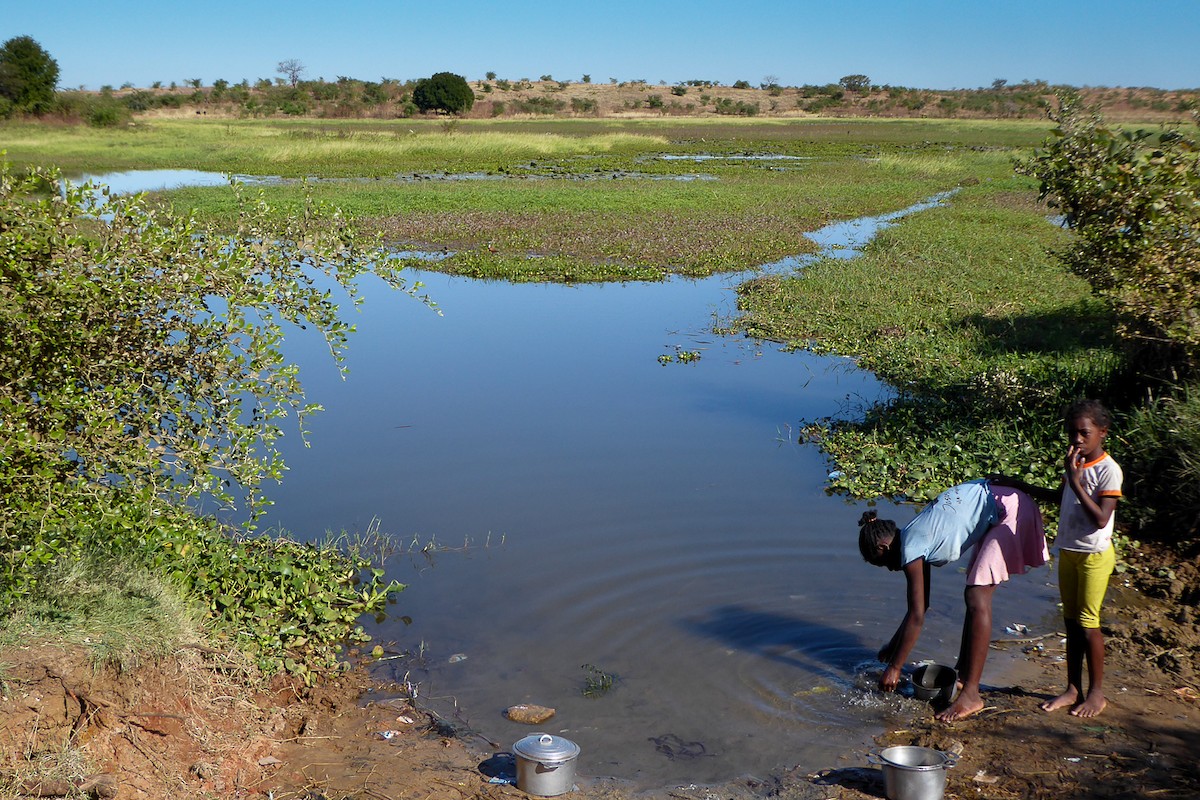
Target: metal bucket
point(545, 764)
point(913, 773)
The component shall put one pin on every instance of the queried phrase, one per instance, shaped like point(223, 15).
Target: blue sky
point(933, 44)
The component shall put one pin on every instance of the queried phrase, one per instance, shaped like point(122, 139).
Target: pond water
point(591, 507)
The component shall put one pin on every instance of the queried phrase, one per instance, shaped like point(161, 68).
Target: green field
point(593, 200)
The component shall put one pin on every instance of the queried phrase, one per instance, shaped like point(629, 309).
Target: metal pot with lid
point(545, 764)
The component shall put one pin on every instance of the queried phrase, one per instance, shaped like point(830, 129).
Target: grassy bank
point(965, 312)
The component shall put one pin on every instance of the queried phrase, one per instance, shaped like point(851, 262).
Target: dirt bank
point(189, 727)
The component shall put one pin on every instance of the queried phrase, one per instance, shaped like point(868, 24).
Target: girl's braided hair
point(872, 533)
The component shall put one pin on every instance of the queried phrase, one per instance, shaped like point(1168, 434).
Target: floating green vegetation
point(597, 682)
point(632, 228)
point(680, 356)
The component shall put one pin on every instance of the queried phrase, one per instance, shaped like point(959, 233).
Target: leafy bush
point(139, 370)
point(444, 91)
point(140, 351)
point(373, 94)
point(107, 114)
point(538, 105)
point(855, 83)
point(28, 76)
point(1133, 199)
point(741, 108)
point(139, 346)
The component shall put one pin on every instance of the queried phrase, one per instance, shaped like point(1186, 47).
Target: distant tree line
point(29, 77)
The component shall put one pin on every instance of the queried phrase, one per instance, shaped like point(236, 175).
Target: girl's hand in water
point(890, 679)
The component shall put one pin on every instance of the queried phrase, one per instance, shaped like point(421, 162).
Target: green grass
point(119, 615)
point(294, 149)
point(364, 148)
point(571, 199)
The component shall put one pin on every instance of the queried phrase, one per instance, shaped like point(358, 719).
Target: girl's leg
point(1076, 648)
point(1095, 702)
point(977, 631)
point(1097, 569)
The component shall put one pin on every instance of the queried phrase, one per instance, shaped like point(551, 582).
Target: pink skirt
point(1013, 545)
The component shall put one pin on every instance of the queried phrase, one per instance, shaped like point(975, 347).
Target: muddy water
point(564, 499)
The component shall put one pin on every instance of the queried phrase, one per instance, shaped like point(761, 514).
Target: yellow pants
point(1082, 583)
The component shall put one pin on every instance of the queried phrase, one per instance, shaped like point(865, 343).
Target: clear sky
point(929, 44)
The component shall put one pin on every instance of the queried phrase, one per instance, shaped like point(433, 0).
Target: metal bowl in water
point(934, 683)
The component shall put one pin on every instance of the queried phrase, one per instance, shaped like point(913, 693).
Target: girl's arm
point(1099, 511)
point(895, 652)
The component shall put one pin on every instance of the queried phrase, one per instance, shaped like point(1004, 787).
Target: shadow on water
point(826, 652)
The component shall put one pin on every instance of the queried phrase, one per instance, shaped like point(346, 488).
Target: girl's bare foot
point(1093, 705)
point(961, 708)
point(1068, 698)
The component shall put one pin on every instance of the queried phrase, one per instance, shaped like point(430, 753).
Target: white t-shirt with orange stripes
point(1076, 530)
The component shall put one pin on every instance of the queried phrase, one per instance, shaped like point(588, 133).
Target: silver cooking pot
point(545, 764)
point(913, 773)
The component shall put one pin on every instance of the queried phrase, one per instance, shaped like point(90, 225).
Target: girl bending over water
point(1003, 526)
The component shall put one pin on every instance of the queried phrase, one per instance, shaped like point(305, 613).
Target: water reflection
point(154, 180)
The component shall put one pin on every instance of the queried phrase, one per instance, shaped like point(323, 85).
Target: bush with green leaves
point(141, 371)
point(583, 105)
point(443, 91)
point(538, 105)
point(741, 108)
point(28, 76)
point(290, 606)
point(1133, 199)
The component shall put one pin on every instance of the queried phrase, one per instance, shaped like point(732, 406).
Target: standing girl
point(1003, 525)
point(1088, 495)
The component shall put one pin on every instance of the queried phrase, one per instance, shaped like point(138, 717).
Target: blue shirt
point(955, 521)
